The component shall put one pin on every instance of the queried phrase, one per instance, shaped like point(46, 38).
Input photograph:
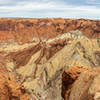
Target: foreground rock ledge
point(9, 88)
point(81, 83)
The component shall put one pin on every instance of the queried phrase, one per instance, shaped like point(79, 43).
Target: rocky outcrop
point(37, 52)
point(28, 30)
point(85, 86)
point(10, 89)
point(69, 76)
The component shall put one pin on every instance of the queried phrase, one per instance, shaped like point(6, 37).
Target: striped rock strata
point(39, 65)
point(23, 31)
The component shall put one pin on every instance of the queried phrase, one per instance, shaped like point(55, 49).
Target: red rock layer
point(9, 88)
point(87, 86)
point(69, 77)
point(23, 30)
point(21, 58)
point(81, 83)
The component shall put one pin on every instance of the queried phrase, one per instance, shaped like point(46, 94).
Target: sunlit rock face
point(38, 51)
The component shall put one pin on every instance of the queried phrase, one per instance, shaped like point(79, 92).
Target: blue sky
point(50, 8)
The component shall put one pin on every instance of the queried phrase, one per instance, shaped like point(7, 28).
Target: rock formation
point(38, 51)
point(82, 84)
point(69, 77)
point(10, 89)
point(28, 30)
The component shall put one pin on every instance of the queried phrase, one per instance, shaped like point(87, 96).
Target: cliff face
point(37, 51)
point(26, 30)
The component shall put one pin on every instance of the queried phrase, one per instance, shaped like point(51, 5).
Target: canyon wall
point(27, 30)
point(38, 51)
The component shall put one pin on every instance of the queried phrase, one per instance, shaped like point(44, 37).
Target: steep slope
point(39, 65)
point(36, 52)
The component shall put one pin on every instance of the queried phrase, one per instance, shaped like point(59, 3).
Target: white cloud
point(48, 8)
point(93, 2)
point(7, 2)
point(30, 6)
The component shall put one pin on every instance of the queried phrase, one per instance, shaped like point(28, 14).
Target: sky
point(89, 9)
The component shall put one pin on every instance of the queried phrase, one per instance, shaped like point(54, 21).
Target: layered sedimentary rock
point(28, 30)
point(37, 51)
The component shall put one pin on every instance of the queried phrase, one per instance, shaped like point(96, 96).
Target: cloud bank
point(50, 8)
